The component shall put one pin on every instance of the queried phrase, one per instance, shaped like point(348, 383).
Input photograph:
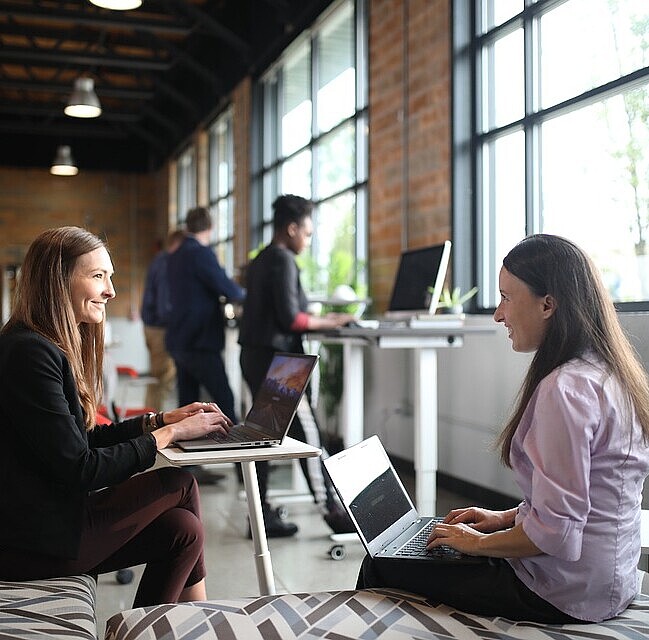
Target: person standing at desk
point(274, 319)
point(73, 499)
point(195, 334)
point(577, 445)
point(154, 312)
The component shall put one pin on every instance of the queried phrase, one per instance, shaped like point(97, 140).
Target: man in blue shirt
point(195, 334)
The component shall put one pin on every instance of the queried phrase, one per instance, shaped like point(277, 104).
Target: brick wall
point(127, 210)
point(409, 134)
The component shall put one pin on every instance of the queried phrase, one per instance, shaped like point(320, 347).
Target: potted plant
point(453, 301)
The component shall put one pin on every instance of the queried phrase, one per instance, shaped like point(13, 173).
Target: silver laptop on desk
point(379, 506)
point(272, 410)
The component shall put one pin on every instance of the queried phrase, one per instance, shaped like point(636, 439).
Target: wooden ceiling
point(159, 71)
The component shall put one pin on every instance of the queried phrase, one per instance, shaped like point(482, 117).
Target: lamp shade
point(117, 5)
point(83, 102)
point(63, 164)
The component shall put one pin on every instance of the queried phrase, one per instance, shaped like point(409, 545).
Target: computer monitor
point(419, 270)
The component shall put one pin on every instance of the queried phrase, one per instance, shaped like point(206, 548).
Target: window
point(311, 113)
point(221, 185)
point(556, 137)
point(186, 183)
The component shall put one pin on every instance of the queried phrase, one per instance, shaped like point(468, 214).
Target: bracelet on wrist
point(159, 419)
point(148, 424)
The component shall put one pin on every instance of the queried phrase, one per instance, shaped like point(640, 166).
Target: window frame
point(468, 139)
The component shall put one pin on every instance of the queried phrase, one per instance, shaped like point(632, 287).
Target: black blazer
point(49, 461)
point(274, 297)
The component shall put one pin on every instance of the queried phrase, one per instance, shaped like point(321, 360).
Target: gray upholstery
point(49, 609)
point(384, 614)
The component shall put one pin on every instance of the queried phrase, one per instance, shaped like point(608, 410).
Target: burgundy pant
point(152, 518)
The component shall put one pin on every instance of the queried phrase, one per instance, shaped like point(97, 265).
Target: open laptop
point(417, 285)
point(379, 506)
point(272, 410)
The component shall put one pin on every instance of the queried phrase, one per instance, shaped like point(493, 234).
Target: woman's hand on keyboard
point(484, 520)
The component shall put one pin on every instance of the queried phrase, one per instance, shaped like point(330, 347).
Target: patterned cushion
point(378, 613)
point(55, 608)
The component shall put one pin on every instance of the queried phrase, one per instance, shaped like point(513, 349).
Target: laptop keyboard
point(416, 546)
point(235, 435)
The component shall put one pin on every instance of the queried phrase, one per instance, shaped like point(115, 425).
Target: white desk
point(424, 343)
point(289, 449)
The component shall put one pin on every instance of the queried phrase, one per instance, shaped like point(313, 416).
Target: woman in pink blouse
point(577, 445)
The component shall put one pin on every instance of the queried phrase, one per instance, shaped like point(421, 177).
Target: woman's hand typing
point(191, 421)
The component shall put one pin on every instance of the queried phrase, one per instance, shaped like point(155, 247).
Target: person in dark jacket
point(73, 499)
point(195, 334)
point(274, 319)
point(154, 312)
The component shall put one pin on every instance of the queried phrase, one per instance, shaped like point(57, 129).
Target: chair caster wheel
point(337, 552)
point(124, 576)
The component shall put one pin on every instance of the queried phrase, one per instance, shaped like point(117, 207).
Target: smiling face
point(524, 314)
point(91, 286)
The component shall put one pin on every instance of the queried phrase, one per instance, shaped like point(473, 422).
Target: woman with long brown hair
point(577, 445)
point(73, 500)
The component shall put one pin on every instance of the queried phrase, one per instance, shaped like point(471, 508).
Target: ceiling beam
point(39, 129)
point(56, 57)
point(101, 89)
point(206, 23)
point(95, 18)
point(56, 111)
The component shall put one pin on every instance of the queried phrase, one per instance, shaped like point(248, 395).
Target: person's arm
point(286, 297)
point(507, 543)
point(212, 274)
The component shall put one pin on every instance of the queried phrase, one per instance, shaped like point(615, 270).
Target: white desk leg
point(425, 396)
point(353, 393)
point(263, 563)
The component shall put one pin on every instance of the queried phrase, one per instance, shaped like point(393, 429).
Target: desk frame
point(289, 449)
point(424, 343)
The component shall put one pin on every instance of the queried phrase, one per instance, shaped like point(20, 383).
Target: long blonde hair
point(43, 303)
point(585, 320)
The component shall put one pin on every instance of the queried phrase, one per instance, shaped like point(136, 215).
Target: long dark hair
point(43, 303)
point(584, 320)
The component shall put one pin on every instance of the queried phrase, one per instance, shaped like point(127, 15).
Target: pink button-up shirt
point(580, 462)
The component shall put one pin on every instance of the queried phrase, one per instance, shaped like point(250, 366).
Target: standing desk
point(424, 342)
point(289, 449)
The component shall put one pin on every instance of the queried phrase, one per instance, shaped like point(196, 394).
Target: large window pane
point(331, 260)
point(296, 103)
point(185, 183)
point(586, 43)
point(296, 175)
point(503, 81)
point(336, 161)
point(336, 97)
point(504, 207)
point(595, 178)
point(495, 12)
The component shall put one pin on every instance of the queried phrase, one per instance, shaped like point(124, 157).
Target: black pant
point(152, 518)
point(489, 588)
point(255, 363)
point(198, 368)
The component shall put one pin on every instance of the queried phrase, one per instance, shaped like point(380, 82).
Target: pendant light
point(63, 164)
point(83, 102)
point(117, 5)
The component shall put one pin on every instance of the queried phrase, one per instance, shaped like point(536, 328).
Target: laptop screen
point(420, 278)
point(279, 395)
point(369, 487)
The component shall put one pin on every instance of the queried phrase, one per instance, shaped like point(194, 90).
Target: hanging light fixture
point(63, 164)
point(117, 5)
point(83, 102)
